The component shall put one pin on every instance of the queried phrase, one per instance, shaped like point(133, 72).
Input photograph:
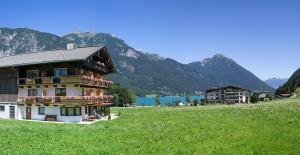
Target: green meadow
point(266, 128)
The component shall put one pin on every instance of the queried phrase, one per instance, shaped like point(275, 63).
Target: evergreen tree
point(254, 98)
point(196, 102)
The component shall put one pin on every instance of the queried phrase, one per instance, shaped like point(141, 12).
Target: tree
point(157, 101)
point(116, 99)
point(196, 102)
point(254, 98)
point(122, 96)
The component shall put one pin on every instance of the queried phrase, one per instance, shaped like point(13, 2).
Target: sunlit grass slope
point(268, 128)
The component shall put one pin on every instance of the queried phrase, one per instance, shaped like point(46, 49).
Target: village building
point(60, 85)
point(228, 95)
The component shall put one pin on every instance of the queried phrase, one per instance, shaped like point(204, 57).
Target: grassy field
point(297, 90)
point(269, 128)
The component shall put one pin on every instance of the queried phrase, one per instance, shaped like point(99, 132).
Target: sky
point(261, 35)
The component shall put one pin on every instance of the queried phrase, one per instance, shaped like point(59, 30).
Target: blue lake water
point(164, 101)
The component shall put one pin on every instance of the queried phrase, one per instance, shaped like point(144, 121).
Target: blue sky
point(261, 35)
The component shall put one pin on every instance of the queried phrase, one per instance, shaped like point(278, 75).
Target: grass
point(269, 128)
point(297, 90)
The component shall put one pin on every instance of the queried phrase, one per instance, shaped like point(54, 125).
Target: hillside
point(291, 85)
point(276, 82)
point(143, 72)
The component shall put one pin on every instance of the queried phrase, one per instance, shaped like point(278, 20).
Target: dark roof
point(48, 56)
point(220, 88)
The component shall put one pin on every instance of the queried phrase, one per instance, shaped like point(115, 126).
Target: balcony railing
point(66, 99)
point(82, 80)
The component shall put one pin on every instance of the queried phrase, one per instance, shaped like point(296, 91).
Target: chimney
point(70, 46)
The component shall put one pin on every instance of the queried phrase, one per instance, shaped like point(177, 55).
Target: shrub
point(196, 102)
point(254, 98)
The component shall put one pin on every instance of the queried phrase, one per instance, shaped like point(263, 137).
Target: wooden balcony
point(83, 100)
point(80, 80)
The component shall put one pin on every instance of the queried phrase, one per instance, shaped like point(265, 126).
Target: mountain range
point(276, 82)
point(144, 73)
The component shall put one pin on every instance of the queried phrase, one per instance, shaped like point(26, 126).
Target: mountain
point(20, 40)
point(143, 72)
point(291, 85)
point(222, 71)
point(276, 82)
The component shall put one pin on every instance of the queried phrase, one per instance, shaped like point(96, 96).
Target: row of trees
point(122, 97)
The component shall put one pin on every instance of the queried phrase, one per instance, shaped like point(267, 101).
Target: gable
point(100, 61)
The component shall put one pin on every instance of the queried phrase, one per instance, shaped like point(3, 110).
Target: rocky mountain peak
point(140, 71)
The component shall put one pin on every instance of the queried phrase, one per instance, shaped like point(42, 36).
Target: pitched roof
point(48, 56)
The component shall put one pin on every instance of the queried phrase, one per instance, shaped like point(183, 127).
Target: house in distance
point(228, 95)
point(60, 85)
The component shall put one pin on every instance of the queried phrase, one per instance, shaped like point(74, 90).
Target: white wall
point(23, 92)
point(51, 110)
point(50, 91)
point(5, 113)
point(22, 112)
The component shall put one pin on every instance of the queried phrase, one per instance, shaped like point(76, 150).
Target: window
point(41, 111)
point(2, 108)
point(32, 73)
point(32, 92)
point(59, 72)
point(70, 111)
point(60, 92)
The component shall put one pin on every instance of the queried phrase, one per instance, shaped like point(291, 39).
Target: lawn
point(297, 90)
point(268, 128)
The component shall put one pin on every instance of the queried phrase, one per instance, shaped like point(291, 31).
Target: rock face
point(21, 40)
point(143, 72)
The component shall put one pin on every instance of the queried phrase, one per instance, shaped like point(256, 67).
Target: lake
point(164, 101)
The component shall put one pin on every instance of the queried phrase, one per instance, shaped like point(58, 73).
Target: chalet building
point(228, 95)
point(60, 85)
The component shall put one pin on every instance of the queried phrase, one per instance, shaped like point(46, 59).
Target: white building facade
point(228, 95)
point(62, 85)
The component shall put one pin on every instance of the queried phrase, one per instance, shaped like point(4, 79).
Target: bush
point(254, 98)
point(196, 102)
